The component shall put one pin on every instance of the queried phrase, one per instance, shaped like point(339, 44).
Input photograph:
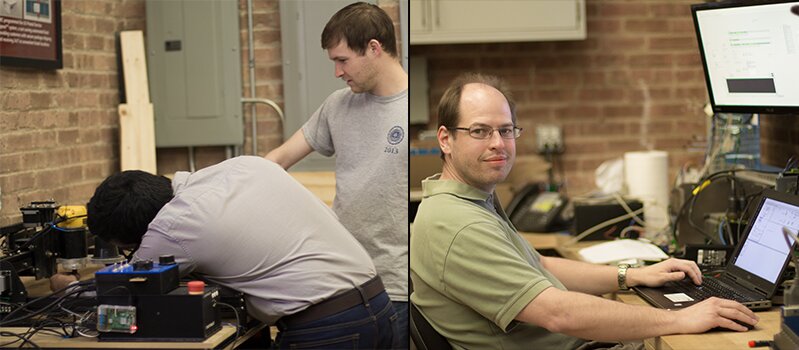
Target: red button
point(196, 287)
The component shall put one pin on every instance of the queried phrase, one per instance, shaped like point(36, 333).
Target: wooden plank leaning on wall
point(136, 124)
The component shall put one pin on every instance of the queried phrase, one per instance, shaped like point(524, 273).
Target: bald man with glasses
point(482, 286)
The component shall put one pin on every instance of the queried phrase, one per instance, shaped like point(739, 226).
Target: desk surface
point(556, 241)
point(51, 341)
point(768, 326)
point(320, 183)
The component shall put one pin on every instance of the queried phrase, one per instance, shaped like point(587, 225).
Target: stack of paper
point(623, 249)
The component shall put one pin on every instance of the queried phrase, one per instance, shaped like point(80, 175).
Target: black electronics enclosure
point(173, 317)
point(164, 310)
point(587, 215)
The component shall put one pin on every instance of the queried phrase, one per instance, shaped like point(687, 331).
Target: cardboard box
point(425, 158)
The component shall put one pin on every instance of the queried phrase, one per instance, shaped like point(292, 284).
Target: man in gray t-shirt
point(365, 126)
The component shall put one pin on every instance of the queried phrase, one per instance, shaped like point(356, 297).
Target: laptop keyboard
point(710, 287)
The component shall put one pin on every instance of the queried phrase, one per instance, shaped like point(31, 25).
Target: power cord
point(236, 312)
point(687, 207)
point(9, 320)
point(600, 225)
point(22, 337)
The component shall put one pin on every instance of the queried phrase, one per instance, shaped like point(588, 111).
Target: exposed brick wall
point(635, 83)
point(59, 130)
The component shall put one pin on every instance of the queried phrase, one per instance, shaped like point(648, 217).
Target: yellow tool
point(73, 216)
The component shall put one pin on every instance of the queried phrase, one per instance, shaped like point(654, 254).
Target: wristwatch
point(622, 276)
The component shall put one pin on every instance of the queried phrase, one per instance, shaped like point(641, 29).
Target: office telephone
point(534, 210)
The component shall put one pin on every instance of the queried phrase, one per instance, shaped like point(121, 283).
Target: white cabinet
point(479, 21)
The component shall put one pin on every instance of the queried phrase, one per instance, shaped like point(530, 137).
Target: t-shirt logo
point(395, 135)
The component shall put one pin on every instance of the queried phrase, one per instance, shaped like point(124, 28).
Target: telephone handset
point(532, 210)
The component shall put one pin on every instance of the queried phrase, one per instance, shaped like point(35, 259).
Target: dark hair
point(358, 23)
point(124, 205)
point(448, 106)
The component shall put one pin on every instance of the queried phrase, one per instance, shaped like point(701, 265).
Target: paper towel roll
point(646, 176)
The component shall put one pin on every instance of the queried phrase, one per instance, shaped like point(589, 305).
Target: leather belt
point(336, 303)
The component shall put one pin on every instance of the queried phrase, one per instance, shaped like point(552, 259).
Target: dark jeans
point(371, 325)
point(402, 323)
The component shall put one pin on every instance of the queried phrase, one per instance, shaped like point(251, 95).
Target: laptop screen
point(765, 249)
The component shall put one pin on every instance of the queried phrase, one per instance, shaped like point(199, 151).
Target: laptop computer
point(753, 272)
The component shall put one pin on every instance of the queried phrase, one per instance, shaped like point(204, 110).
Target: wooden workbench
point(768, 326)
point(320, 183)
point(729, 340)
point(558, 242)
point(51, 341)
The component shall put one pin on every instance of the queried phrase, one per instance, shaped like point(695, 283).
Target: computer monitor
point(750, 53)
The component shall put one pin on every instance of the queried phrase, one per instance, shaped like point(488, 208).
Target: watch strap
point(622, 276)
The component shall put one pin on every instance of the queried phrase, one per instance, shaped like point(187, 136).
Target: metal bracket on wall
point(268, 102)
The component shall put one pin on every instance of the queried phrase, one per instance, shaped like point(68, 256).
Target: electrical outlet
point(549, 139)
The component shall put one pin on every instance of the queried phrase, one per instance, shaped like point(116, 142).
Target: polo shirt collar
point(433, 185)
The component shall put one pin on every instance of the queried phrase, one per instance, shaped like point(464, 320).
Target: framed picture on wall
point(30, 33)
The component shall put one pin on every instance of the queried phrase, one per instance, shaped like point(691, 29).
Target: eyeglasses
point(482, 132)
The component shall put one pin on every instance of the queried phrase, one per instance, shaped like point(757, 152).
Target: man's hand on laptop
point(664, 271)
point(716, 312)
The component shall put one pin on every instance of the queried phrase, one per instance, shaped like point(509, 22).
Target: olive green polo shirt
point(472, 273)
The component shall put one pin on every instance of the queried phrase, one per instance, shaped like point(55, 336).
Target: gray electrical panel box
point(194, 70)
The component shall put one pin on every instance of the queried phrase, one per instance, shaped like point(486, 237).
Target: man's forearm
point(291, 152)
point(596, 318)
point(583, 277)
